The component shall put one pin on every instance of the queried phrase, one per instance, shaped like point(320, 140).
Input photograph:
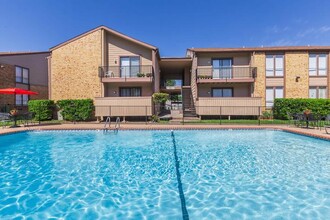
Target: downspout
point(49, 62)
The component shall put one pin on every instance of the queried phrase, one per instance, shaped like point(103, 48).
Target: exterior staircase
point(188, 107)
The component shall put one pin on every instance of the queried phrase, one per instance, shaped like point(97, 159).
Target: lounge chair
point(5, 119)
point(327, 124)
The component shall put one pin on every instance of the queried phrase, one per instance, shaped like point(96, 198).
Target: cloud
point(313, 31)
point(285, 42)
point(277, 30)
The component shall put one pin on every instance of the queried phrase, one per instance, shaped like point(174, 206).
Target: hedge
point(76, 109)
point(42, 109)
point(319, 107)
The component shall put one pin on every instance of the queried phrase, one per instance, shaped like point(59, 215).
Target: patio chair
point(299, 119)
point(327, 124)
point(313, 120)
point(5, 119)
point(28, 117)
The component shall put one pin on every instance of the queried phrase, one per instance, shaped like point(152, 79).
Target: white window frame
point(317, 89)
point(317, 68)
point(275, 95)
point(276, 69)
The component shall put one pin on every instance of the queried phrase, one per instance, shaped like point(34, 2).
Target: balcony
point(140, 73)
point(226, 74)
point(123, 106)
point(248, 106)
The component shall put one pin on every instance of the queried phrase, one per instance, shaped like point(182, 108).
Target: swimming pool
point(195, 174)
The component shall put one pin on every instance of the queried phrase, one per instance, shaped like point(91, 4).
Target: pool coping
point(315, 133)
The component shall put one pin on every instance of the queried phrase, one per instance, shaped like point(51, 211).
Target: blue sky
point(171, 25)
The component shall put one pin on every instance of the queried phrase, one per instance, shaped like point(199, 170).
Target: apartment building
point(26, 70)
point(121, 73)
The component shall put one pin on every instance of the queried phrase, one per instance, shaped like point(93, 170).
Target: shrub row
point(76, 110)
point(282, 107)
point(71, 110)
point(42, 109)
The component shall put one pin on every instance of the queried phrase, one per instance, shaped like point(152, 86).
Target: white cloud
point(313, 31)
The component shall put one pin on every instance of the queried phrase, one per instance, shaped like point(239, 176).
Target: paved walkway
point(139, 126)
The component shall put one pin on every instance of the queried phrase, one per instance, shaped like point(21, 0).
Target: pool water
point(196, 174)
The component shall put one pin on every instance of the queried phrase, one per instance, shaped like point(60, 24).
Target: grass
point(33, 122)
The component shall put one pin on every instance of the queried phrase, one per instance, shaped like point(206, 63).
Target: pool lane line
point(185, 214)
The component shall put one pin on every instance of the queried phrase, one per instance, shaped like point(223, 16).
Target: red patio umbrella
point(17, 91)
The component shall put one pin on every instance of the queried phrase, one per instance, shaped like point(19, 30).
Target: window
point(130, 91)
point(222, 68)
point(129, 66)
point(274, 65)
point(21, 100)
point(318, 92)
point(272, 93)
point(22, 75)
point(222, 92)
point(317, 64)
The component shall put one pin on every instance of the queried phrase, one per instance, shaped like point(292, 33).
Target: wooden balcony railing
point(226, 73)
point(123, 106)
point(229, 106)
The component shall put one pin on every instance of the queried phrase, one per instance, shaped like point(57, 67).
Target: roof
point(262, 49)
point(110, 31)
point(21, 53)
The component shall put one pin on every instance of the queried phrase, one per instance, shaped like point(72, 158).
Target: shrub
point(140, 75)
point(76, 109)
point(267, 115)
point(317, 106)
point(160, 97)
point(42, 109)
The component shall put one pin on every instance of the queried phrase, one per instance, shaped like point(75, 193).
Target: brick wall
point(296, 64)
point(259, 61)
point(42, 90)
point(74, 69)
point(7, 80)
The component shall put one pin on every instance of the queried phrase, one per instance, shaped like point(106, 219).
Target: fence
point(245, 115)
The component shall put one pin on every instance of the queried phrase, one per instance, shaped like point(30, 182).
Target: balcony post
point(220, 115)
point(146, 111)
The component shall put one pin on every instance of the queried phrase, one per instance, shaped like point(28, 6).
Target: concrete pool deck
point(138, 126)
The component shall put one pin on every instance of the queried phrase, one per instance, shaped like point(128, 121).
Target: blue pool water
point(211, 174)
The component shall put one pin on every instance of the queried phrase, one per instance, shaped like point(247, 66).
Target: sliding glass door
point(222, 68)
point(129, 66)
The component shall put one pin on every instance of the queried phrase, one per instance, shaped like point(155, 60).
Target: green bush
point(76, 109)
point(42, 109)
point(160, 98)
point(319, 107)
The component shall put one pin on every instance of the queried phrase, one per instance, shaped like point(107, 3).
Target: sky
point(171, 25)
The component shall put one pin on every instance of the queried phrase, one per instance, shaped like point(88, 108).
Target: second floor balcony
point(139, 73)
point(226, 74)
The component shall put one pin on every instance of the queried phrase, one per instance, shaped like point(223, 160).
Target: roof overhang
point(175, 62)
point(260, 49)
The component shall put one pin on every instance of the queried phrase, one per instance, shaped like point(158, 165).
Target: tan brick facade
point(296, 65)
point(7, 80)
point(259, 61)
point(74, 68)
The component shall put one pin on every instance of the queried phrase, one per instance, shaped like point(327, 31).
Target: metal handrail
point(137, 71)
point(117, 126)
point(107, 121)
